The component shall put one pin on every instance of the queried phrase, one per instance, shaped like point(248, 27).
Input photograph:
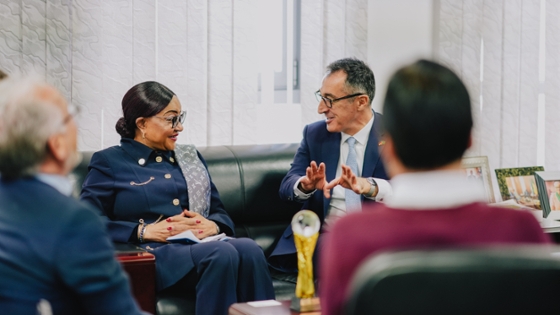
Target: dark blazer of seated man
point(345, 99)
point(427, 115)
point(55, 255)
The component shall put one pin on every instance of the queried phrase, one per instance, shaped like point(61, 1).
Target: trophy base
point(305, 305)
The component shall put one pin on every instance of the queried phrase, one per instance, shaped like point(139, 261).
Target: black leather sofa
point(248, 178)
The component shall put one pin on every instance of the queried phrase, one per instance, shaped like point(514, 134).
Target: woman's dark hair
point(427, 113)
point(145, 99)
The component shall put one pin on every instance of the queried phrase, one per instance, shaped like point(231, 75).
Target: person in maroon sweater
point(428, 121)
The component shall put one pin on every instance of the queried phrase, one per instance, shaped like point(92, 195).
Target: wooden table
point(141, 269)
point(282, 309)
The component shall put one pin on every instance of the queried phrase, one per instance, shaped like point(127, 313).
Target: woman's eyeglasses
point(175, 120)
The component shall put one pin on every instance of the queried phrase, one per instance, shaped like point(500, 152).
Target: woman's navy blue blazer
point(130, 182)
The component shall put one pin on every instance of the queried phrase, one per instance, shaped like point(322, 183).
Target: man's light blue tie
point(353, 200)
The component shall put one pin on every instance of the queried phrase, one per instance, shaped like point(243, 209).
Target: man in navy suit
point(347, 142)
point(55, 255)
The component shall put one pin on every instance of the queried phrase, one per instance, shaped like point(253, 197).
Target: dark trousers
point(227, 272)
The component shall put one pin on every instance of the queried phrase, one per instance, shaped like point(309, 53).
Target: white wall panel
point(552, 86)
point(312, 65)
point(450, 32)
point(34, 43)
point(511, 61)
point(197, 73)
point(334, 30)
point(529, 83)
point(220, 74)
point(144, 41)
point(10, 36)
point(171, 49)
point(87, 72)
point(399, 32)
point(59, 46)
point(470, 62)
point(489, 118)
point(356, 28)
point(205, 51)
point(244, 72)
point(116, 63)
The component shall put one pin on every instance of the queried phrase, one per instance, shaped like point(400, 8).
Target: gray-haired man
point(52, 247)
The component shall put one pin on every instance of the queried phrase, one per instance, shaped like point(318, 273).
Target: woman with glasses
point(149, 188)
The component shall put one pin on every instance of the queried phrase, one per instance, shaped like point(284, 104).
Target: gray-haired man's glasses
point(73, 112)
point(330, 102)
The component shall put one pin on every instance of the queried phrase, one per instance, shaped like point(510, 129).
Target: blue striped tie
point(353, 200)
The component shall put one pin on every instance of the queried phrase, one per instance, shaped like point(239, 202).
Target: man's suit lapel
point(330, 150)
point(373, 147)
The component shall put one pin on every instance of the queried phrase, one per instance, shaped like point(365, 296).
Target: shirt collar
point(361, 136)
point(58, 182)
point(434, 190)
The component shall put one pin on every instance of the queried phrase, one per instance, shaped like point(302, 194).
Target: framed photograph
point(477, 169)
point(519, 184)
point(548, 185)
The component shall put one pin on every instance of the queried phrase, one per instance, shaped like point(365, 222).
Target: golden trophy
point(305, 226)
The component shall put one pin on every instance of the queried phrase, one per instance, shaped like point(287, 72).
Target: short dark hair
point(359, 77)
point(145, 99)
point(427, 113)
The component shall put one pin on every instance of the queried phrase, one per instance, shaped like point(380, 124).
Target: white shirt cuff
point(384, 189)
point(300, 195)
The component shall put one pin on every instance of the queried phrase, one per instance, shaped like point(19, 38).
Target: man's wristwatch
point(373, 184)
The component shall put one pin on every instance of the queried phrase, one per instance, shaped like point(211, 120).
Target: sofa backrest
point(485, 280)
point(248, 178)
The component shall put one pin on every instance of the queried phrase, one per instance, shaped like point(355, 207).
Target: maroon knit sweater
point(377, 227)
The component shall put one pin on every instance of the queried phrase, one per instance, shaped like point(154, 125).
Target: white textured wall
point(496, 47)
point(400, 31)
point(331, 29)
point(205, 51)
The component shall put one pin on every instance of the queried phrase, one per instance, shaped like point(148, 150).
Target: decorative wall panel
point(511, 60)
point(59, 46)
point(356, 29)
point(87, 73)
point(220, 72)
point(197, 72)
point(334, 30)
point(488, 129)
point(470, 60)
point(529, 82)
point(507, 121)
point(205, 51)
point(551, 87)
point(312, 64)
point(245, 75)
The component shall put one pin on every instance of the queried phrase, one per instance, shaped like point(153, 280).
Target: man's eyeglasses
point(330, 102)
point(73, 112)
point(175, 120)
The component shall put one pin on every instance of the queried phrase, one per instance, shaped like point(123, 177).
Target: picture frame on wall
point(548, 184)
point(519, 184)
point(477, 169)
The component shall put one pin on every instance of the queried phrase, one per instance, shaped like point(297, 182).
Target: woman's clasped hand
point(186, 220)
